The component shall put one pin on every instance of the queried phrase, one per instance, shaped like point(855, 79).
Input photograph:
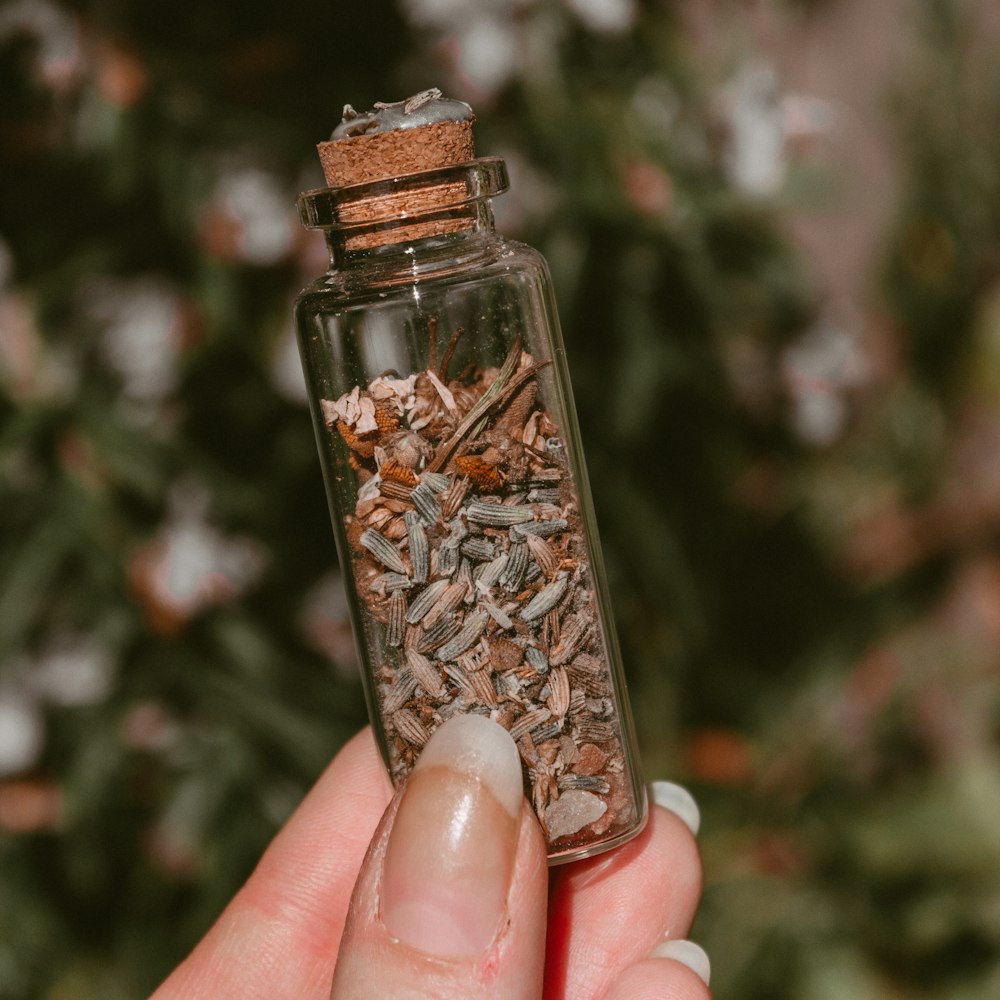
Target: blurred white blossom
point(755, 156)
point(492, 41)
point(73, 671)
point(819, 368)
point(143, 329)
point(766, 127)
point(190, 565)
point(22, 732)
point(488, 52)
point(605, 16)
point(198, 565)
point(259, 207)
point(57, 56)
point(483, 37)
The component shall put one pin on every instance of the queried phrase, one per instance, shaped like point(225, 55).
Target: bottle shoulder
point(516, 254)
point(360, 284)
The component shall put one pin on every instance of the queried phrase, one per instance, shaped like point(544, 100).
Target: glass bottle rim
point(451, 189)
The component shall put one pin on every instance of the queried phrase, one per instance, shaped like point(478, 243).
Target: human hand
point(453, 898)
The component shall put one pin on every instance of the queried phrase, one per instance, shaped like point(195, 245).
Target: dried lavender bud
point(544, 528)
point(383, 550)
point(447, 561)
point(419, 551)
point(546, 599)
point(453, 497)
point(441, 633)
point(388, 582)
point(397, 619)
point(438, 482)
point(528, 721)
point(451, 597)
point(425, 673)
point(543, 553)
point(517, 563)
point(409, 727)
point(487, 574)
point(588, 783)
point(497, 515)
point(426, 503)
point(571, 636)
point(425, 601)
point(465, 637)
point(478, 549)
point(558, 699)
point(398, 694)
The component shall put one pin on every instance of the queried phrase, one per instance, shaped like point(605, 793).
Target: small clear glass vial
point(460, 506)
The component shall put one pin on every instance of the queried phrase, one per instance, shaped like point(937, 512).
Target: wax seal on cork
point(424, 132)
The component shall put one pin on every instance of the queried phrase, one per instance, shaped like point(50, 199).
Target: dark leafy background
point(800, 513)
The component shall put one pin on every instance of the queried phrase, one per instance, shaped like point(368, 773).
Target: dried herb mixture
point(469, 559)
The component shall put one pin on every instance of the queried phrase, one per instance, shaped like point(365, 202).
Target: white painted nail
point(687, 953)
point(679, 801)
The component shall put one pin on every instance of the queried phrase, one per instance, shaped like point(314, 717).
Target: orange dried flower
point(386, 418)
point(363, 444)
point(393, 472)
point(485, 477)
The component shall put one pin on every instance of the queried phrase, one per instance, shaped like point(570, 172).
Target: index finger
point(278, 938)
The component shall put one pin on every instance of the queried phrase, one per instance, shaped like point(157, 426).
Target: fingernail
point(687, 953)
point(451, 850)
point(679, 801)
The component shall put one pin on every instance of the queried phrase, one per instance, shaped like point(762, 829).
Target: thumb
point(451, 898)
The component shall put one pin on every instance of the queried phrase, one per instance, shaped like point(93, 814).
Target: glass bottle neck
point(468, 239)
point(410, 225)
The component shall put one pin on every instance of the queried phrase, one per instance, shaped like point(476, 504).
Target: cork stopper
point(378, 156)
point(392, 147)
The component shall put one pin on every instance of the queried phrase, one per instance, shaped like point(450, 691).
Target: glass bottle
point(455, 476)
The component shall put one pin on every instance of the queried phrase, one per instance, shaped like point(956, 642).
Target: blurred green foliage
point(800, 521)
